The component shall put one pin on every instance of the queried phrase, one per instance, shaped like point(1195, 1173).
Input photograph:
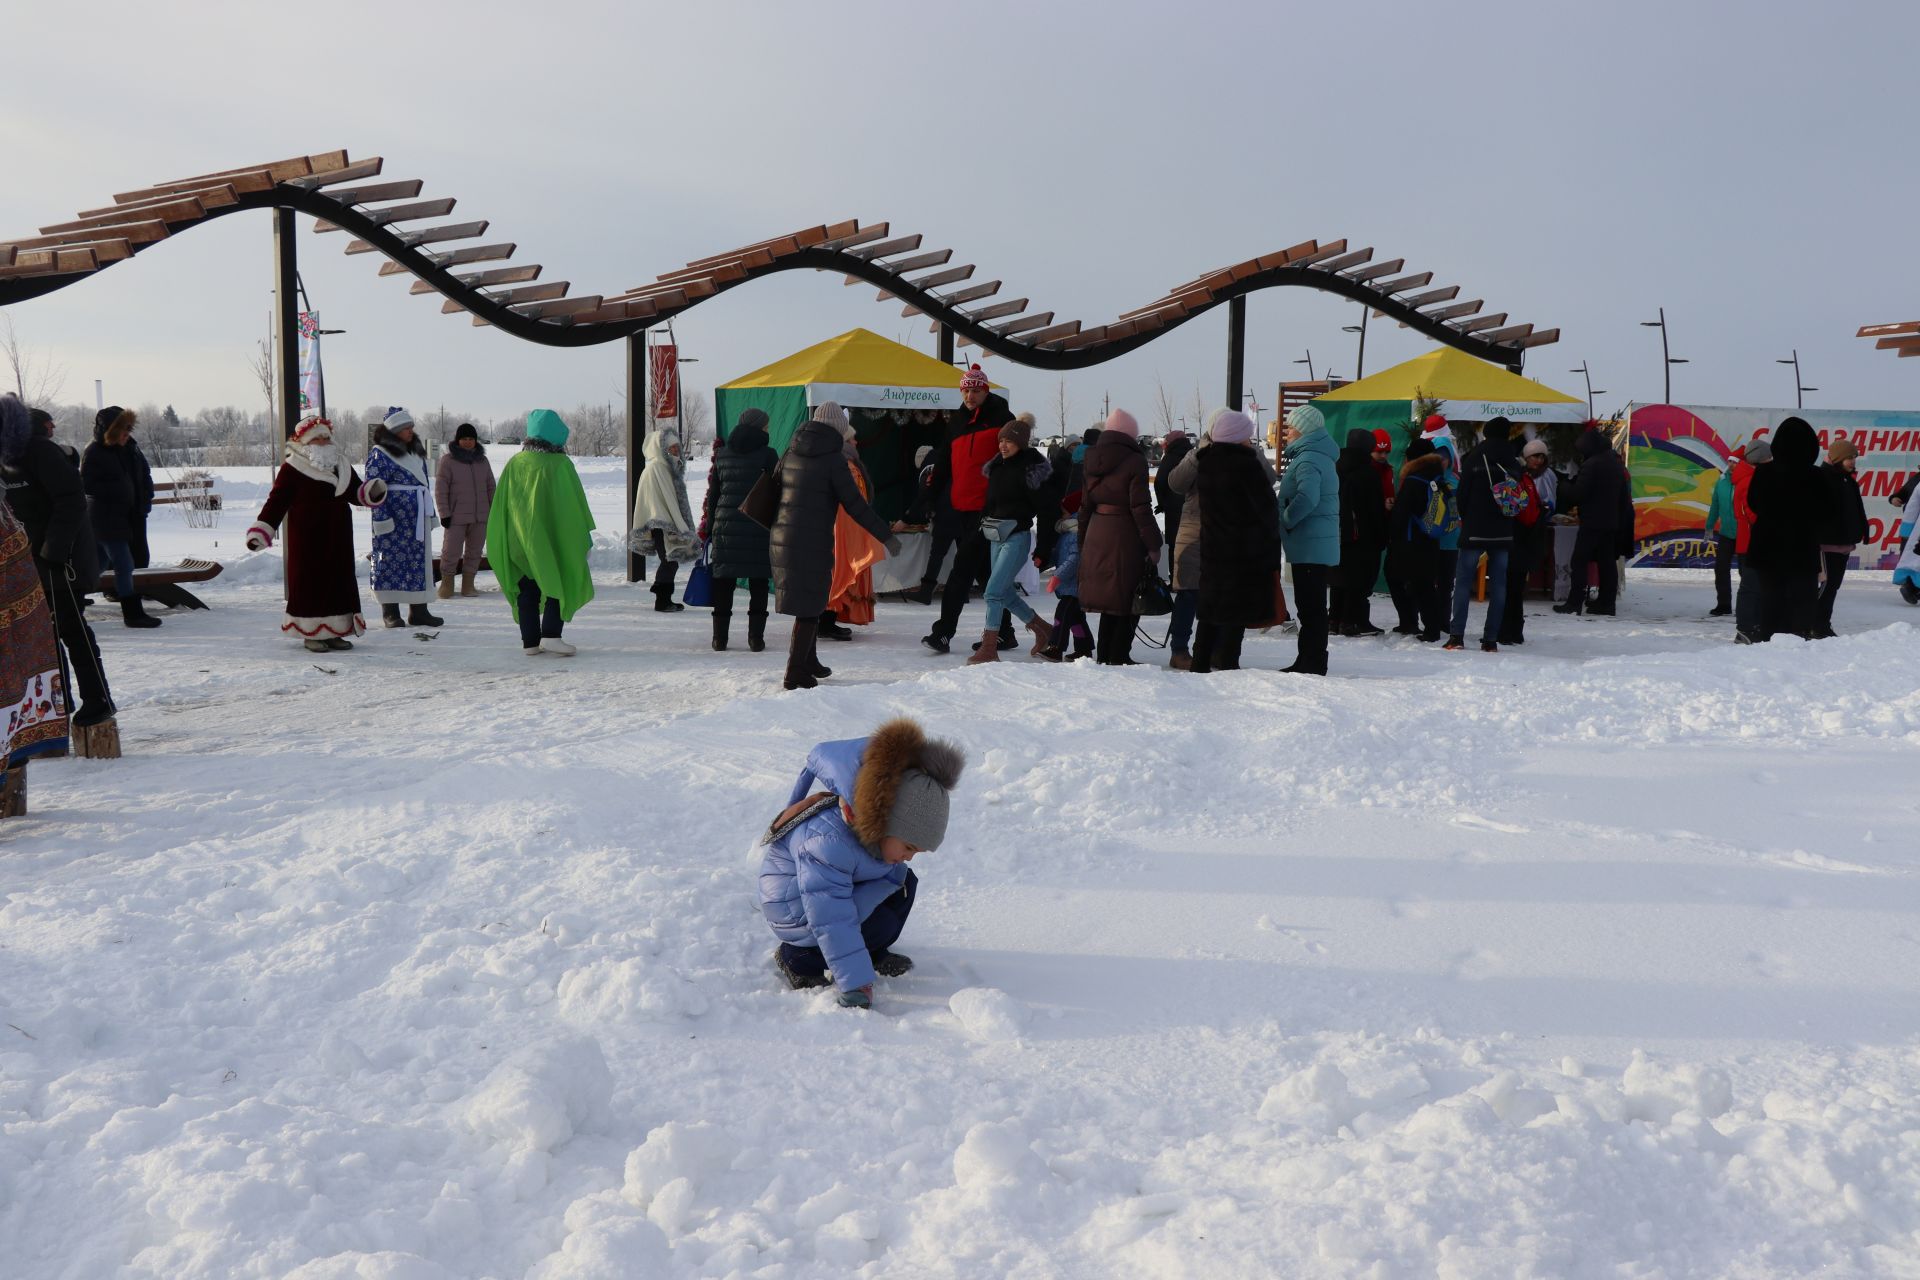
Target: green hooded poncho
point(540, 528)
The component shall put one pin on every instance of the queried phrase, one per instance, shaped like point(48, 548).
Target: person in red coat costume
point(312, 494)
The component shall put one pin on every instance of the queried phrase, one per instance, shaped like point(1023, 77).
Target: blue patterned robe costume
point(401, 528)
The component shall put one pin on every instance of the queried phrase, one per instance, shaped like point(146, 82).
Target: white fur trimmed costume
point(313, 493)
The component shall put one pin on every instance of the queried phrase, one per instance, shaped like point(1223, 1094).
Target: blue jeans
point(1007, 557)
point(1496, 590)
point(1186, 607)
point(534, 625)
point(120, 556)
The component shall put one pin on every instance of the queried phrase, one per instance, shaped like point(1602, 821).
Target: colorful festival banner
point(312, 394)
point(663, 379)
point(1676, 453)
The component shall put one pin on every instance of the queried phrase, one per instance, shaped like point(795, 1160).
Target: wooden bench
point(161, 583)
point(484, 567)
point(200, 491)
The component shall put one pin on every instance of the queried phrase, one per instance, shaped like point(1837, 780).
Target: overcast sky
point(1750, 166)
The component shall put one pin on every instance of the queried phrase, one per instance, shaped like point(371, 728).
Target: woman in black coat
point(1845, 527)
point(1602, 495)
point(1413, 557)
point(1790, 504)
point(114, 473)
point(1363, 532)
point(44, 490)
point(737, 547)
point(815, 482)
point(1239, 542)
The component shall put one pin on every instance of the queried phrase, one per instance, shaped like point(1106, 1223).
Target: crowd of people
point(798, 529)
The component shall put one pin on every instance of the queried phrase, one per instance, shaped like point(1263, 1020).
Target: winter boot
point(988, 649)
point(445, 591)
point(721, 623)
point(1042, 637)
point(922, 594)
point(756, 631)
point(830, 628)
point(92, 713)
point(800, 667)
point(314, 646)
point(1180, 661)
point(663, 603)
point(1720, 611)
point(466, 584)
point(800, 981)
point(557, 647)
point(891, 964)
point(339, 644)
point(1455, 642)
point(135, 614)
point(1489, 646)
point(390, 616)
point(417, 616)
point(937, 642)
point(1572, 604)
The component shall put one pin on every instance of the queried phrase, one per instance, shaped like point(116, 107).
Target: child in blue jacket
point(1069, 619)
point(834, 882)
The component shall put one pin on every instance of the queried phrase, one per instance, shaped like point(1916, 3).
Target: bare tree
point(1162, 405)
point(1061, 407)
point(593, 431)
point(260, 363)
point(1199, 411)
point(696, 415)
point(37, 379)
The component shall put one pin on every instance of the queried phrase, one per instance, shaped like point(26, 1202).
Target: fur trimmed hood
point(1426, 466)
point(110, 417)
point(387, 441)
point(896, 747)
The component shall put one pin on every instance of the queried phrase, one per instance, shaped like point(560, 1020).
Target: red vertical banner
point(663, 380)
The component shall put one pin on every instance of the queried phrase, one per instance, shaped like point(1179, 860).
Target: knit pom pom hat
point(975, 379)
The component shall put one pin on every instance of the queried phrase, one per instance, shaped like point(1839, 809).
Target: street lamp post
point(1587, 373)
point(1360, 364)
point(1799, 391)
point(1667, 360)
point(1309, 363)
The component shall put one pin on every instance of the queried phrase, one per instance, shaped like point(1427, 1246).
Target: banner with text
point(1676, 453)
point(663, 379)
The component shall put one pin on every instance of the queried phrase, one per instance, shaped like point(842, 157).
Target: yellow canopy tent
point(895, 396)
point(1468, 390)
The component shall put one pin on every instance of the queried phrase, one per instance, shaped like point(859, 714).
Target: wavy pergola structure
point(1903, 338)
point(452, 259)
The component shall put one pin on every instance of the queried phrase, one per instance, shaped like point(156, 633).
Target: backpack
point(1436, 517)
point(1529, 515)
point(1508, 494)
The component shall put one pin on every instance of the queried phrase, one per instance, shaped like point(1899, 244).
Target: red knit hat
point(974, 379)
point(1382, 440)
point(1433, 423)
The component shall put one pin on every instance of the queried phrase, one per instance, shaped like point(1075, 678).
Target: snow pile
point(431, 960)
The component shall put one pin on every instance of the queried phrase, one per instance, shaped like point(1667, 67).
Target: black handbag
point(1152, 599)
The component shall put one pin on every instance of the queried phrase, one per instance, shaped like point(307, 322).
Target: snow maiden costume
point(402, 523)
point(662, 517)
point(825, 890)
point(313, 493)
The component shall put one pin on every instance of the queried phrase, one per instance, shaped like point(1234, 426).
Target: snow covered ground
point(1595, 958)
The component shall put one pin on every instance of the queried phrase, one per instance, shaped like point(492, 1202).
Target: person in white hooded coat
point(663, 524)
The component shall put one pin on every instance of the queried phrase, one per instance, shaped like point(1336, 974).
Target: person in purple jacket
point(834, 882)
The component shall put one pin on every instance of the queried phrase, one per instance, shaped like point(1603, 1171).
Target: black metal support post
point(636, 437)
point(946, 345)
point(1236, 351)
point(286, 321)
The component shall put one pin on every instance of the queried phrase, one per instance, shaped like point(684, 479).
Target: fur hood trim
point(394, 445)
point(111, 417)
point(896, 747)
point(1426, 466)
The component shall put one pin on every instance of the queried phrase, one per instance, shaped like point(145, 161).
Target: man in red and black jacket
point(959, 476)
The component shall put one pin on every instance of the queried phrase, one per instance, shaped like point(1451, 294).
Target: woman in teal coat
point(1310, 529)
point(1723, 527)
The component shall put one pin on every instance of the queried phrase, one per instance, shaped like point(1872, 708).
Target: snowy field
point(1593, 959)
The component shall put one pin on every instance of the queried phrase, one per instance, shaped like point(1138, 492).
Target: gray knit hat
point(833, 416)
point(920, 810)
point(1759, 451)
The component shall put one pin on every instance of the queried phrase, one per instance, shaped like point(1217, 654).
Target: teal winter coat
point(1721, 521)
point(1310, 501)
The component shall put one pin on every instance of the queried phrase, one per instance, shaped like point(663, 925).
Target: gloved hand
point(446, 522)
point(892, 545)
point(858, 998)
point(373, 492)
point(1053, 586)
point(259, 538)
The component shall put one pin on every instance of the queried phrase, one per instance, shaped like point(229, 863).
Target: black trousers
point(536, 625)
point(1528, 545)
point(1113, 645)
point(1069, 619)
point(1595, 547)
point(1217, 648)
point(879, 931)
point(1788, 602)
point(757, 589)
point(1723, 572)
point(1310, 602)
point(1836, 563)
point(1444, 567)
point(1413, 582)
point(971, 562)
point(664, 575)
point(1359, 572)
point(70, 626)
point(1749, 604)
point(802, 658)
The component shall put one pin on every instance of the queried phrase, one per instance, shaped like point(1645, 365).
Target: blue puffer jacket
point(817, 881)
point(1066, 558)
point(1310, 500)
